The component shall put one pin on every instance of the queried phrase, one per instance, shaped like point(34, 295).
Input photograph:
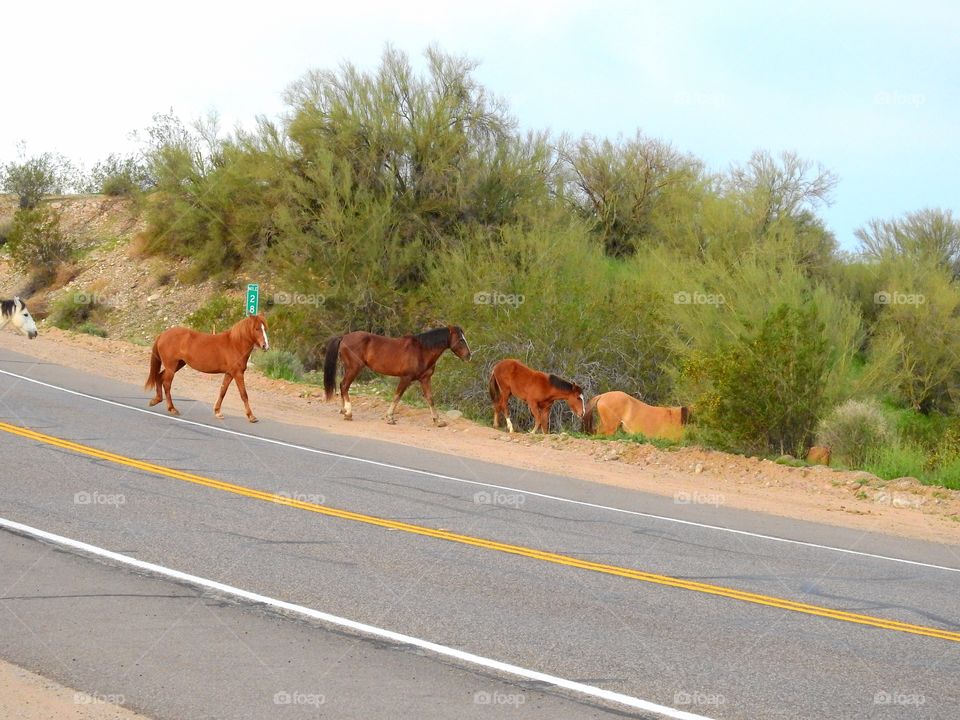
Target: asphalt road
point(172, 650)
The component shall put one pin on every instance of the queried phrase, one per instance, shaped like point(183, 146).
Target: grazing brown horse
point(411, 358)
point(538, 389)
point(225, 352)
point(617, 410)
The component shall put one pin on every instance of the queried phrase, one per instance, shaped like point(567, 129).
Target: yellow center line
point(520, 550)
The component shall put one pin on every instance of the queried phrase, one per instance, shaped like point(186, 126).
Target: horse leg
point(402, 386)
point(158, 398)
point(535, 411)
point(168, 374)
point(505, 409)
point(545, 417)
point(349, 375)
point(428, 394)
point(227, 379)
point(243, 396)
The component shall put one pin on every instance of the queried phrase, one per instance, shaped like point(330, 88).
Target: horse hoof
point(153, 402)
point(218, 415)
point(391, 421)
point(440, 423)
point(173, 411)
point(251, 418)
point(348, 417)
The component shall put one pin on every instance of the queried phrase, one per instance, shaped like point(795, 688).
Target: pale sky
point(870, 90)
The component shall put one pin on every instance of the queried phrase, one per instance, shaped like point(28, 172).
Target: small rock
point(698, 468)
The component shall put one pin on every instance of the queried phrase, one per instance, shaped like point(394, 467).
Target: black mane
point(560, 384)
point(436, 338)
point(7, 307)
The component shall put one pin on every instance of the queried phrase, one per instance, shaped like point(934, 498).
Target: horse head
point(571, 392)
point(15, 312)
point(458, 342)
point(579, 399)
point(255, 328)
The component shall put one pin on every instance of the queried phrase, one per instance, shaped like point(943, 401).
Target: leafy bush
point(91, 329)
point(119, 176)
point(763, 392)
point(74, 310)
point(32, 178)
point(36, 242)
point(920, 321)
point(219, 313)
point(280, 364)
point(946, 451)
point(853, 430)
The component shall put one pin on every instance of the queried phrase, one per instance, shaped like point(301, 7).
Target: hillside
point(141, 295)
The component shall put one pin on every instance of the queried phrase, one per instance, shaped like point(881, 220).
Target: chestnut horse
point(226, 352)
point(538, 389)
point(617, 410)
point(411, 358)
point(15, 312)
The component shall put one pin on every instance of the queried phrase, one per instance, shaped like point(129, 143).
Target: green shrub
point(91, 329)
point(947, 475)
point(853, 430)
point(897, 460)
point(73, 310)
point(119, 176)
point(36, 242)
point(32, 178)
point(280, 364)
point(763, 392)
point(219, 313)
point(946, 451)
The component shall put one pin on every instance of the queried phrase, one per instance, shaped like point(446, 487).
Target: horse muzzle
point(32, 334)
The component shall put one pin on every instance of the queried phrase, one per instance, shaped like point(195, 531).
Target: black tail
point(588, 416)
point(330, 365)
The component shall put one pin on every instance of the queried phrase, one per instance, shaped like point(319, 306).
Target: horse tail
point(588, 416)
point(330, 365)
point(494, 388)
point(153, 379)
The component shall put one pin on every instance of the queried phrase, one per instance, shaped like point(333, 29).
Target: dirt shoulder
point(692, 475)
point(27, 696)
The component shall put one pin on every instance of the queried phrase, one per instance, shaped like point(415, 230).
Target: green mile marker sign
point(253, 298)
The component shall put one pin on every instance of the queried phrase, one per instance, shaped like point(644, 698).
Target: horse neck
point(241, 338)
point(432, 354)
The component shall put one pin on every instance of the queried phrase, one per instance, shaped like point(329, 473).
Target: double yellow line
point(520, 550)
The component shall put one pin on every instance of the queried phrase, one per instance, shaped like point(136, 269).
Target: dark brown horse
point(411, 358)
point(225, 352)
point(538, 389)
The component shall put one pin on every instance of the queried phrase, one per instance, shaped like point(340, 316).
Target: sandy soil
point(27, 696)
point(689, 475)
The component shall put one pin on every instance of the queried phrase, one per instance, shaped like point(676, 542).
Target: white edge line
point(359, 627)
point(451, 478)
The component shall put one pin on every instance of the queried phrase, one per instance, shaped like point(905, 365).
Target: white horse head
point(15, 312)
